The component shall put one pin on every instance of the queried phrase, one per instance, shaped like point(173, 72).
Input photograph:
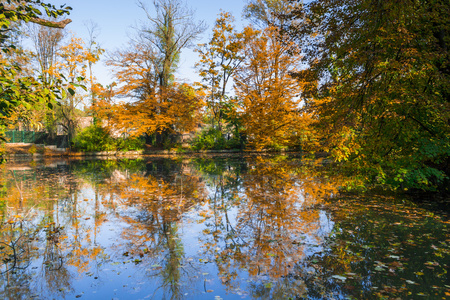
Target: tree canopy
point(15, 88)
point(383, 96)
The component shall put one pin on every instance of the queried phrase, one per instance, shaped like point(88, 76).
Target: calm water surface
point(224, 228)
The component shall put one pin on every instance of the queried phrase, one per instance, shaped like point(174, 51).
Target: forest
point(365, 82)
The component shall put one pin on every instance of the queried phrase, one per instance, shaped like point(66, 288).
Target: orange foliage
point(174, 109)
point(269, 99)
point(156, 108)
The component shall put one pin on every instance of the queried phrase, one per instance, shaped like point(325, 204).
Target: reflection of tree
point(14, 246)
point(48, 204)
point(381, 248)
point(53, 270)
point(15, 258)
point(277, 217)
point(262, 225)
point(159, 197)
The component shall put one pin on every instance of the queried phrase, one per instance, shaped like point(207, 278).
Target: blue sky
point(117, 17)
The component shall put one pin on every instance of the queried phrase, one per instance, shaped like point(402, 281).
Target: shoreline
point(11, 157)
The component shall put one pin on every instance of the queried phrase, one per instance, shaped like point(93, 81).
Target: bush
point(97, 138)
point(93, 138)
point(213, 139)
point(129, 144)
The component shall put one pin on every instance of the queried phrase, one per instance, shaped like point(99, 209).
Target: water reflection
point(263, 228)
point(264, 223)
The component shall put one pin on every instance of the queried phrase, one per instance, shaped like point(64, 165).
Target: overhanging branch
point(54, 24)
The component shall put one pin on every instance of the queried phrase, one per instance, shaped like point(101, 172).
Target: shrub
point(129, 144)
point(96, 138)
point(213, 139)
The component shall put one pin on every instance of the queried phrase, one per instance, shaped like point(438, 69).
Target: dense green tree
point(383, 92)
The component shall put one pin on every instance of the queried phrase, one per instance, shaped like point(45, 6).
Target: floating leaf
point(268, 285)
point(343, 278)
point(394, 256)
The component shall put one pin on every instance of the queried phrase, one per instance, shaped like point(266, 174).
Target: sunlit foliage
point(173, 110)
point(383, 97)
point(219, 60)
point(269, 100)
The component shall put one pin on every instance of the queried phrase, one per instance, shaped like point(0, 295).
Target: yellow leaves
point(268, 97)
point(75, 60)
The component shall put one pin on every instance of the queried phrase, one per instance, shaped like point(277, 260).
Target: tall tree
point(172, 29)
point(268, 97)
point(94, 51)
point(46, 42)
point(384, 93)
point(72, 67)
point(145, 71)
point(219, 60)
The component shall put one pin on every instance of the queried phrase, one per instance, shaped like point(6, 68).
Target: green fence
point(16, 136)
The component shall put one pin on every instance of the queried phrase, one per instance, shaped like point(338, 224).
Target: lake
point(243, 227)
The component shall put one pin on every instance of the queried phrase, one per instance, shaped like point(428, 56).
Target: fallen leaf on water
point(343, 278)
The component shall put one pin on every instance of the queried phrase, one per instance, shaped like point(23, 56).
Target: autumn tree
point(72, 68)
point(145, 71)
point(219, 60)
point(269, 99)
point(178, 112)
point(135, 67)
point(383, 98)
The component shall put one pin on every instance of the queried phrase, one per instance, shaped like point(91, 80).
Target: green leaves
point(18, 90)
point(71, 91)
point(383, 98)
